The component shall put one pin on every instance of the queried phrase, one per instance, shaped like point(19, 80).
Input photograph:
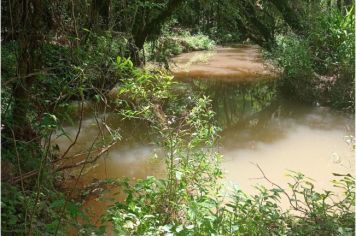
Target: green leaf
point(58, 203)
point(179, 175)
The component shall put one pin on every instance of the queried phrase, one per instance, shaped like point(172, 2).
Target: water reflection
point(259, 126)
point(233, 102)
point(250, 112)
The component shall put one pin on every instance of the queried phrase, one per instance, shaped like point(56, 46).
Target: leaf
point(189, 227)
point(179, 175)
point(179, 228)
point(58, 203)
point(166, 228)
point(118, 60)
point(73, 209)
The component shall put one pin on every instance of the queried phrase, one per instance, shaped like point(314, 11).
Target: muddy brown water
point(224, 63)
point(258, 127)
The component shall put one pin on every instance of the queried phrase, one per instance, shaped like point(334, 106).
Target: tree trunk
point(100, 10)
point(30, 15)
point(134, 53)
point(261, 28)
point(152, 27)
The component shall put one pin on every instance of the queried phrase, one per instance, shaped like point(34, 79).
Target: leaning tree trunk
point(262, 29)
point(289, 15)
point(152, 27)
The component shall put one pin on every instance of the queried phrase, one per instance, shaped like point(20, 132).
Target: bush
point(333, 44)
point(331, 41)
point(148, 210)
point(319, 66)
point(42, 209)
point(293, 56)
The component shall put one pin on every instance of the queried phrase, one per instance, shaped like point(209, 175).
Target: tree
point(289, 15)
point(150, 26)
point(31, 28)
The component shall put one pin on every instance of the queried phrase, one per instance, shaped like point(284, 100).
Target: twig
point(35, 172)
point(75, 23)
point(79, 129)
point(84, 162)
point(18, 160)
point(43, 72)
point(20, 172)
point(295, 207)
point(25, 176)
point(40, 171)
point(76, 182)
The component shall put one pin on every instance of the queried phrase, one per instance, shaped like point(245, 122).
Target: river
point(258, 127)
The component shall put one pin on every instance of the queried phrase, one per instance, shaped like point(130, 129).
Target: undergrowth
point(319, 66)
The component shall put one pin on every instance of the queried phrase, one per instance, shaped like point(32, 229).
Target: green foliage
point(323, 212)
point(319, 65)
point(311, 212)
point(75, 59)
point(180, 202)
point(199, 42)
point(140, 92)
point(145, 211)
point(177, 42)
point(332, 41)
point(98, 60)
point(293, 56)
point(8, 59)
point(67, 74)
point(43, 209)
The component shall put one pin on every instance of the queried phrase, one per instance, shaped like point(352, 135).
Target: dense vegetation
point(59, 53)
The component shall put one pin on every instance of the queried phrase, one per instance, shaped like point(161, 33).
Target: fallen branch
point(79, 129)
point(84, 162)
point(35, 172)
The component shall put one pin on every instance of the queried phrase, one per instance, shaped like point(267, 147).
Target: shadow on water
point(236, 101)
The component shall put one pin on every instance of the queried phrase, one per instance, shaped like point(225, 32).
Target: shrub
point(331, 41)
point(293, 56)
point(319, 66)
